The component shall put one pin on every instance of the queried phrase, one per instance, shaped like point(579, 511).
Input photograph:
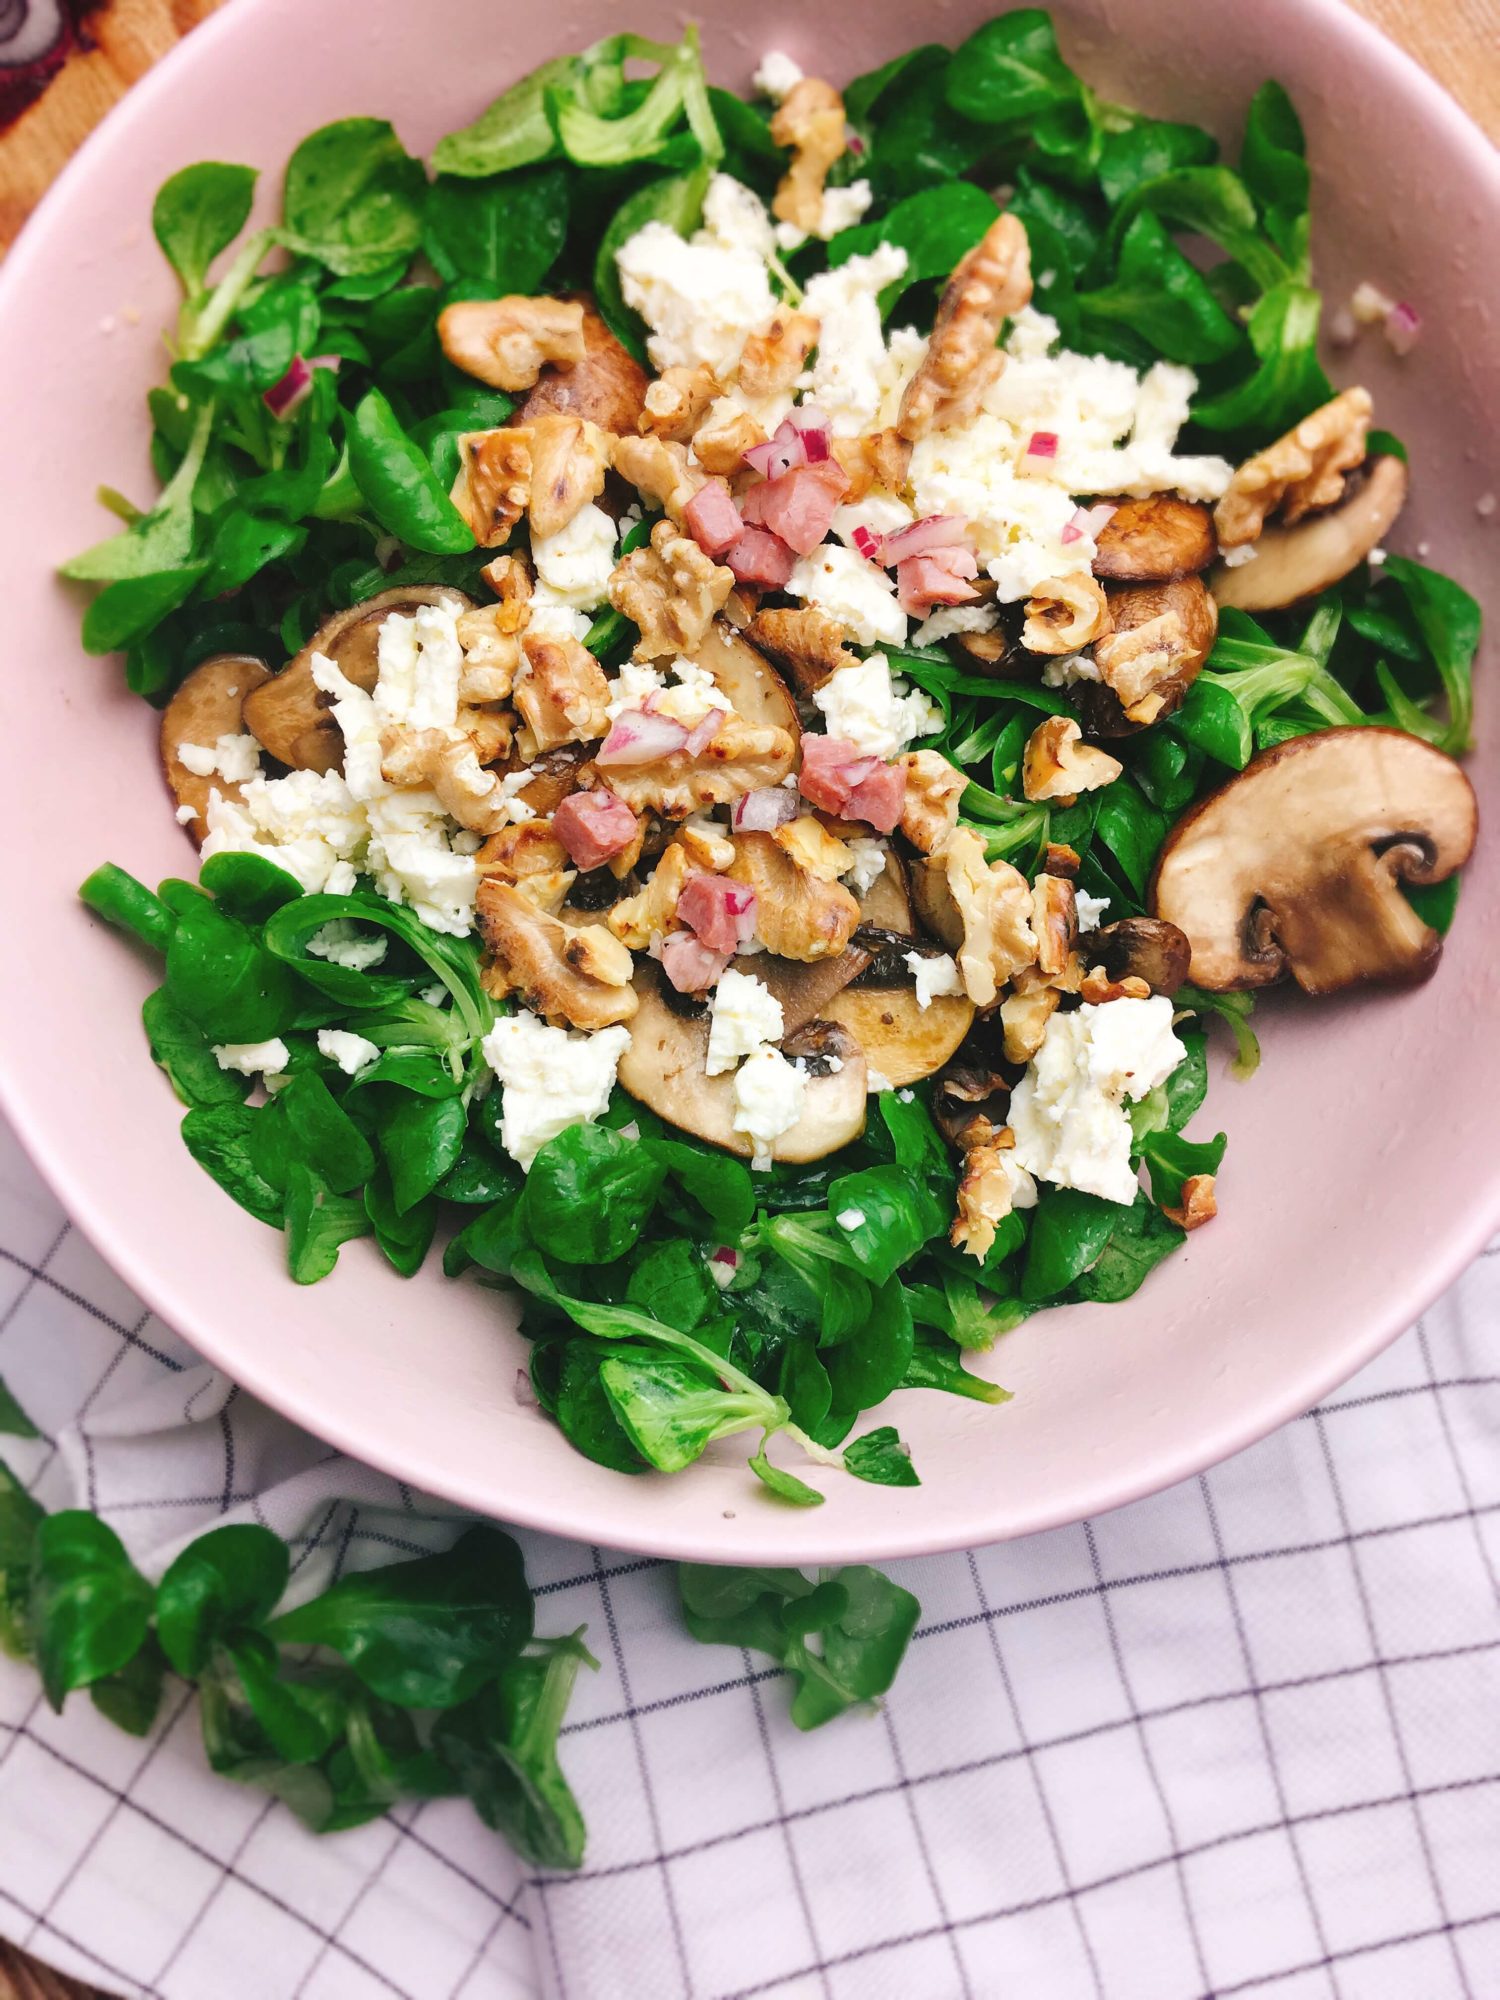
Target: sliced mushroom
point(665, 1069)
point(886, 904)
point(1295, 866)
point(1293, 563)
point(1141, 948)
point(209, 704)
point(289, 714)
point(553, 775)
point(747, 680)
point(901, 1040)
point(965, 1092)
point(607, 388)
point(805, 990)
point(1154, 541)
point(1163, 632)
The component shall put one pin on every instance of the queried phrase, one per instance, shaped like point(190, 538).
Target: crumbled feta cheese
point(1068, 669)
point(234, 758)
point(632, 687)
point(906, 349)
point(577, 561)
point(935, 977)
point(420, 662)
point(185, 815)
point(745, 1014)
point(197, 758)
point(850, 1218)
point(1237, 558)
point(881, 512)
point(842, 208)
point(351, 1052)
point(951, 619)
point(307, 823)
point(1022, 1185)
point(866, 863)
point(864, 706)
point(861, 597)
point(1032, 334)
point(550, 1079)
point(552, 617)
point(253, 1058)
point(693, 692)
point(876, 1080)
point(846, 376)
point(1090, 909)
point(342, 943)
point(1015, 521)
point(768, 1094)
point(1067, 1112)
point(778, 75)
point(702, 297)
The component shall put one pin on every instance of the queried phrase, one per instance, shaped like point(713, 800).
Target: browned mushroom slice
point(902, 1041)
point(208, 705)
point(607, 388)
point(887, 902)
point(748, 681)
point(1140, 948)
point(1293, 563)
point(805, 990)
point(1294, 868)
point(665, 1069)
point(1163, 632)
point(1154, 541)
point(289, 714)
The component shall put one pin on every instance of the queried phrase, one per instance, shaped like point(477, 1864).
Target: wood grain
point(1458, 41)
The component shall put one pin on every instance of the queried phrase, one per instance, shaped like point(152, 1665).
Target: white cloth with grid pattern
point(1241, 1738)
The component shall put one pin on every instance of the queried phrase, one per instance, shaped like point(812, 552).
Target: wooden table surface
point(1457, 40)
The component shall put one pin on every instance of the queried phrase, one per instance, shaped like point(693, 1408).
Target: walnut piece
point(809, 119)
point(816, 851)
point(569, 464)
point(580, 976)
point(992, 282)
point(722, 439)
point(991, 1182)
point(507, 342)
point(1054, 918)
point(929, 812)
point(448, 763)
point(1198, 1205)
point(671, 590)
point(659, 472)
point(797, 915)
point(561, 692)
point(636, 919)
point(808, 642)
point(1059, 765)
point(510, 580)
point(1097, 987)
point(491, 654)
point(776, 356)
point(676, 403)
point(1301, 471)
point(706, 846)
point(493, 483)
point(992, 906)
point(1065, 614)
point(532, 859)
point(1024, 1015)
point(740, 757)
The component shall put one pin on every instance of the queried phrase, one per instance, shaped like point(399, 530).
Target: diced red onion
point(295, 386)
point(936, 531)
point(702, 733)
point(782, 453)
point(724, 1255)
point(1087, 521)
point(815, 427)
point(1403, 327)
point(854, 144)
point(639, 738)
point(867, 542)
point(1042, 444)
point(763, 810)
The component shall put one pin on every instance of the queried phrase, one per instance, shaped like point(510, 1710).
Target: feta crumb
point(341, 943)
point(550, 1079)
point(576, 562)
point(702, 296)
point(185, 815)
point(876, 1080)
point(951, 619)
point(197, 758)
point(351, 1052)
point(552, 617)
point(693, 694)
point(1486, 505)
point(845, 379)
point(234, 758)
point(1090, 909)
point(934, 976)
point(864, 706)
point(253, 1058)
point(849, 1218)
point(861, 597)
point(1069, 669)
point(1237, 558)
point(746, 1014)
point(1068, 1110)
point(777, 75)
point(420, 660)
point(866, 863)
point(768, 1094)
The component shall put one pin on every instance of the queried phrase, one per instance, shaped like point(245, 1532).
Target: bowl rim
point(150, 1277)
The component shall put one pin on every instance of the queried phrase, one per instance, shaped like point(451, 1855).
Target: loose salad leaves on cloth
point(306, 441)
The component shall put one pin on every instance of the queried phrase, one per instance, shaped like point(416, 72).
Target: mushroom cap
point(607, 388)
point(1293, 563)
point(1294, 866)
point(289, 715)
point(1134, 604)
point(1141, 948)
point(886, 904)
point(209, 704)
point(664, 1068)
point(1154, 541)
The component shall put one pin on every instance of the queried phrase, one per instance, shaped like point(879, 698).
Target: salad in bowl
point(749, 675)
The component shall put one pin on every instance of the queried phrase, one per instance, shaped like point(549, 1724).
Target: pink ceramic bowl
point(1363, 1172)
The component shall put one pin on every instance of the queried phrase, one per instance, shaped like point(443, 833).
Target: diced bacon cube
point(713, 520)
point(720, 911)
point(942, 577)
point(799, 506)
point(878, 798)
point(594, 827)
point(847, 783)
point(761, 560)
point(691, 966)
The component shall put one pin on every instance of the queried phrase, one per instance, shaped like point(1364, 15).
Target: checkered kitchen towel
point(1241, 1738)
